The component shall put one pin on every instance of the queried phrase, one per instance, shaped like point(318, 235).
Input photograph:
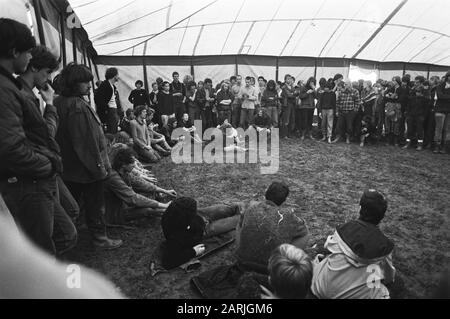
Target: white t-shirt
point(112, 104)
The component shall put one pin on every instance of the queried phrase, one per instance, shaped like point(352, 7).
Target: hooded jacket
point(361, 257)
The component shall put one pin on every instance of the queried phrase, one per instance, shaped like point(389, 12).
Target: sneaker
point(329, 140)
point(436, 149)
point(347, 140)
point(441, 150)
point(419, 147)
point(337, 139)
point(408, 145)
point(302, 138)
point(323, 139)
point(106, 243)
point(362, 144)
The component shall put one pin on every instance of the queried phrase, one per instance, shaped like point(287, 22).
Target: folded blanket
point(213, 244)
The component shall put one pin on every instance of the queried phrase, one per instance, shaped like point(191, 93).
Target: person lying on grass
point(185, 227)
point(360, 264)
point(120, 195)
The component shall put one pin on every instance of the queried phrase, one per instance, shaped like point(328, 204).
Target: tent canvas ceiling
point(414, 31)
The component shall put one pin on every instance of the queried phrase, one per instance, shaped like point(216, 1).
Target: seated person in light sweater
point(121, 198)
point(141, 137)
point(360, 263)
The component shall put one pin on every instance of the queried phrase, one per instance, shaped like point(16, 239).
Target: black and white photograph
point(225, 155)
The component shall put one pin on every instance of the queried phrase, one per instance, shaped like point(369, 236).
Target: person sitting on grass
point(125, 125)
point(267, 224)
point(360, 264)
point(122, 202)
point(141, 137)
point(168, 126)
point(290, 274)
point(232, 140)
point(262, 122)
point(187, 125)
point(185, 227)
point(158, 141)
point(368, 131)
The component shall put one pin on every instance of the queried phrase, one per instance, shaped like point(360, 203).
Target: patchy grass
point(326, 182)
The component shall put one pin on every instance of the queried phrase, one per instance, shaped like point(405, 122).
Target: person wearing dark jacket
point(442, 115)
point(108, 102)
point(178, 92)
point(270, 102)
point(139, 96)
point(165, 101)
point(305, 111)
point(224, 100)
point(326, 108)
point(185, 227)
point(41, 66)
point(83, 148)
point(416, 109)
point(28, 158)
point(262, 121)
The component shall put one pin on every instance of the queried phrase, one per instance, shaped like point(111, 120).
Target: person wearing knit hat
point(360, 263)
point(185, 226)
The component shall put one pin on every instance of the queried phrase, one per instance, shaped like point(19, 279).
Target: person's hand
point(172, 193)
point(199, 249)
point(310, 91)
point(267, 294)
point(48, 94)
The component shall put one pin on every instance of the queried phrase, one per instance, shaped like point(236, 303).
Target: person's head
point(188, 78)
point(373, 207)
point(367, 85)
point(419, 90)
point(322, 82)
point(129, 114)
point(76, 80)
point(311, 83)
point(191, 86)
point(447, 77)
point(124, 161)
point(208, 83)
point(98, 83)
point(434, 80)
point(175, 76)
point(166, 86)
point(397, 80)
point(233, 80)
point(141, 112)
point(261, 81)
point(16, 43)
point(239, 79)
point(348, 85)
point(290, 272)
point(200, 85)
point(248, 81)
point(355, 85)
point(112, 75)
point(225, 86)
point(155, 86)
point(405, 81)
point(271, 85)
point(277, 193)
point(173, 122)
point(150, 114)
point(338, 78)
point(419, 80)
point(159, 81)
point(185, 117)
point(139, 84)
point(42, 64)
point(288, 79)
point(252, 81)
point(110, 140)
point(123, 138)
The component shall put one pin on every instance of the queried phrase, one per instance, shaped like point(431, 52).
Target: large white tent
point(147, 39)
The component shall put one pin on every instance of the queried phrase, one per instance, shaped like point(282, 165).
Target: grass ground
point(326, 182)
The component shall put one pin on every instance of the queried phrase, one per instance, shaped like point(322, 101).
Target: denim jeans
point(345, 123)
point(415, 128)
point(246, 117)
point(94, 203)
point(66, 200)
point(236, 114)
point(219, 219)
point(32, 204)
point(442, 132)
point(327, 122)
point(272, 112)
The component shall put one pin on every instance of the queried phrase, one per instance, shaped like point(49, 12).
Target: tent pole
point(277, 70)
point(192, 68)
point(37, 8)
point(428, 72)
point(315, 68)
point(74, 46)
point(404, 69)
point(144, 67)
point(63, 39)
point(236, 65)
